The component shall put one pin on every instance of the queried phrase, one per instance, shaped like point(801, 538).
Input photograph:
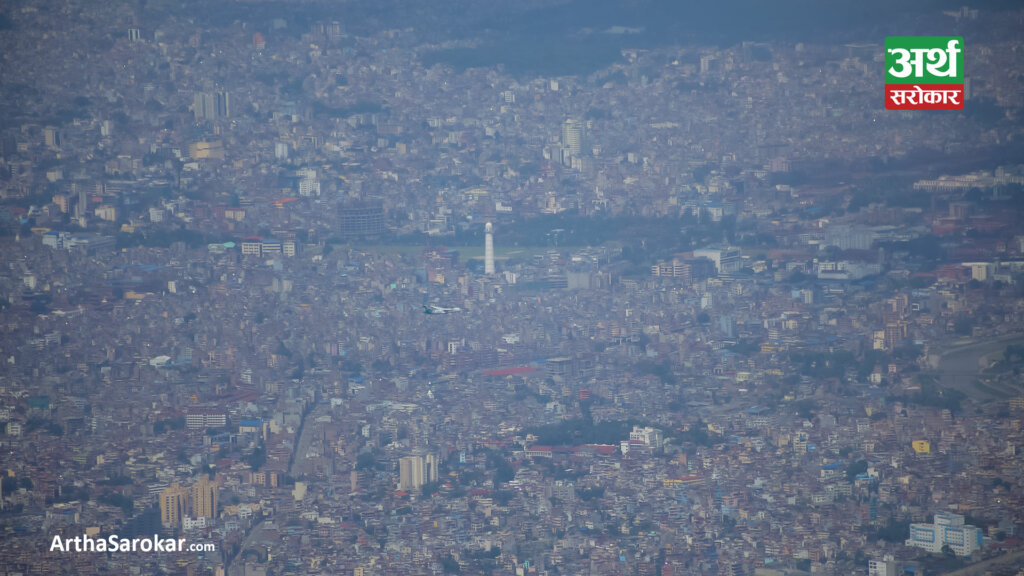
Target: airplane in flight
point(431, 309)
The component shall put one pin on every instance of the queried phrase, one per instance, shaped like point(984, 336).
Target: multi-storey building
point(946, 529)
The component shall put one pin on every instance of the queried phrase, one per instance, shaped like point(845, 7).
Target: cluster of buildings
point(727, 348)
point(732, 419)
point(189, 507)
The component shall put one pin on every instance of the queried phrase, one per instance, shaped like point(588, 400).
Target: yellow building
point(921, 446)
point(682, 481)
point(173, 504)
point(204, 498)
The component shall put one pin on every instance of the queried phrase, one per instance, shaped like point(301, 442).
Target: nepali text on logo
point(924, 73)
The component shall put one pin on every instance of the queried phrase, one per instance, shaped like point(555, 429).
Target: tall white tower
point(488, 249)
point(572, 137)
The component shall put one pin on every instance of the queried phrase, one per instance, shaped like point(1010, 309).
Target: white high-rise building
point(488, 249)
point(726, 260)
point(946, 529)
point(410, 472)
point(415, 471)
point(572, 137)
point(211, 105)
point(647, 436)
point(309, 184)
point(847, 237)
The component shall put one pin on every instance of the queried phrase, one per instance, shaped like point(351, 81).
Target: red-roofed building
point(538, 452)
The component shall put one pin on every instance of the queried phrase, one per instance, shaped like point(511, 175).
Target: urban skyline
point(529, 288)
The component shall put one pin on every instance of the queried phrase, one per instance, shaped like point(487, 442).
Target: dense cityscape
point(370, 289)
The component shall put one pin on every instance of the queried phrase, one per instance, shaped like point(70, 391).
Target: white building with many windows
point(946, 529)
